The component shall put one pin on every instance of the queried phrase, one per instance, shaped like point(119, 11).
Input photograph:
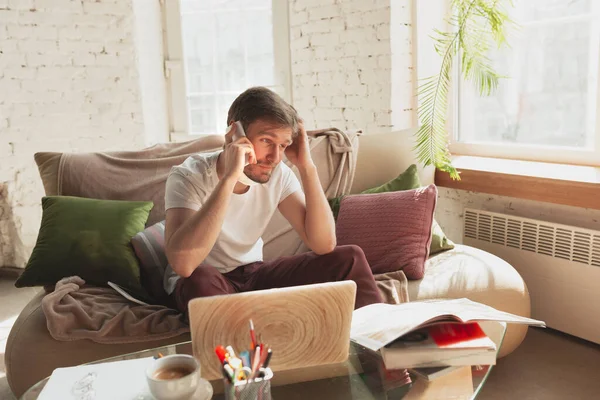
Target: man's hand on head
point(299, 151)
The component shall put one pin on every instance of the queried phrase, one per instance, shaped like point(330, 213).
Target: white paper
point(119, 380)
point(377, 325)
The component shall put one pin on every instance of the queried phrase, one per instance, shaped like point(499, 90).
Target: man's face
point(270, 141)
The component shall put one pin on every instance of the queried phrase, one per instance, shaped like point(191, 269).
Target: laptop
point(304, 325)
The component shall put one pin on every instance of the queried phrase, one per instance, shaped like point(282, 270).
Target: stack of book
point(441, 345)
point(431, 337)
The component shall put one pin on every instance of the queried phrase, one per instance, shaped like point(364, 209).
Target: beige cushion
point(480, 276)
point(32, 354)
point(384, 156)
point(48, 164)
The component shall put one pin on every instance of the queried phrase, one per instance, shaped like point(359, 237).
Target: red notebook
point(457, 335)
point(442, 344)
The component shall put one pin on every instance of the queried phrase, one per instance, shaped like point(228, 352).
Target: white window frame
point(175, 74)
point(540, 153)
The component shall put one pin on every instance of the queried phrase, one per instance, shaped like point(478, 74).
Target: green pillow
point(407, 180)
point(89, 238)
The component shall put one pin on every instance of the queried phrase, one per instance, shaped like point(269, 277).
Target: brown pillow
point(393, 229)
point(138, 175)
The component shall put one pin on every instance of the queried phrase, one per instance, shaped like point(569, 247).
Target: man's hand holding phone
point(299, 151)
point(238, 152)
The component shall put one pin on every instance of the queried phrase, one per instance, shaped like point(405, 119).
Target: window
point(547, 107)
point(216, 49)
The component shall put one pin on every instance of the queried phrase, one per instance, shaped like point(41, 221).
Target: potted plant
point(474, 26)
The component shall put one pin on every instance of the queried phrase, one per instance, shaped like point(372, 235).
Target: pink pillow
point(393, 229)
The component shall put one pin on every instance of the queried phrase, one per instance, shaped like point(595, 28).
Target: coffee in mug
point(174, 377)
point(173, 372)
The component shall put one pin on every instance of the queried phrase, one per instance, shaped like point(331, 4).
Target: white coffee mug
point(173, 389)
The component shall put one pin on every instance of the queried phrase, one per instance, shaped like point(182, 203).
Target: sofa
point(32, 354)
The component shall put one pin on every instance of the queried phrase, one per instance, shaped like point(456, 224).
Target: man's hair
point(261, 103)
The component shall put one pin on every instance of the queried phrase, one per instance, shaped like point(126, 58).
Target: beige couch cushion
point(480, 276)
point(384, 156)
point(48, 164)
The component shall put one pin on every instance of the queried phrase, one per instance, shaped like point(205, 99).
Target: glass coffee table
point(362, 377)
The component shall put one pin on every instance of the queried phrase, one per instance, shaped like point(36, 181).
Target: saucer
point(204, 391)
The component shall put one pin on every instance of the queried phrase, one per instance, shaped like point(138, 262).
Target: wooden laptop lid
point(304, 325)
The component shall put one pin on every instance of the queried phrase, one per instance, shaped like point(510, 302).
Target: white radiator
point(559, 263)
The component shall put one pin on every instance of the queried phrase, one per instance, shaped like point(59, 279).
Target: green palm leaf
point(475, 25)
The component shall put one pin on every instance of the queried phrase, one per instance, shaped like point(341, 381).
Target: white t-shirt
point(190, 184)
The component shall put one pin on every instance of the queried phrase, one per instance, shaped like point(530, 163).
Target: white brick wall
point(68, 82)
point(342, 65)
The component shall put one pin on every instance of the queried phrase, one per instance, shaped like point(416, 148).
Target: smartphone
point(239, 133)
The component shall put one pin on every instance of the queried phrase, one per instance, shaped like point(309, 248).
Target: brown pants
point(343, 263)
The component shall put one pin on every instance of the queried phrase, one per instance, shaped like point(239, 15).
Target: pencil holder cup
point(252, 389)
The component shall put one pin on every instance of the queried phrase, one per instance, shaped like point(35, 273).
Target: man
point(214, 222)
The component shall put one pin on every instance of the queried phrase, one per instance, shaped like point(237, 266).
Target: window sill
point(570, 185)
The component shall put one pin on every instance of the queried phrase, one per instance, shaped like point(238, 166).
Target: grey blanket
point(74, 311)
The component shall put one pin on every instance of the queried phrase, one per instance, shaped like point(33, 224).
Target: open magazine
point(377, 325)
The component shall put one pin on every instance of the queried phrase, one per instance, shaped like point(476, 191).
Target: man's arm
point(310, 215)
point(190, 235)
